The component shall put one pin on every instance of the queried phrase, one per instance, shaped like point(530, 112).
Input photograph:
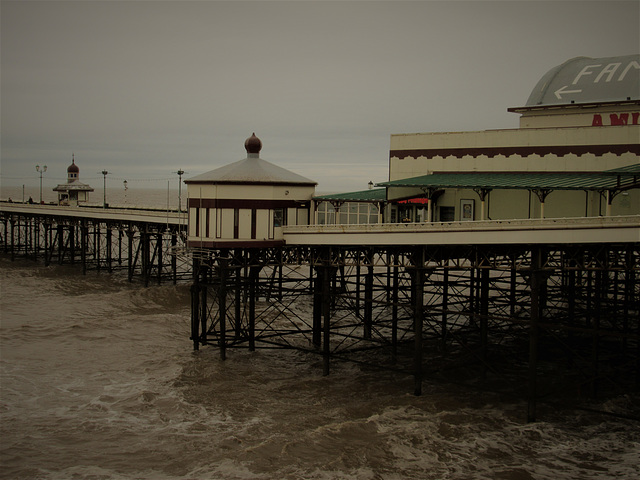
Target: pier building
point(581, 119)
point(74, 192)
point(246, 203)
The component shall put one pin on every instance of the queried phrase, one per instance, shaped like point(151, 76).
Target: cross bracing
point(501, 314)
point(144, 250)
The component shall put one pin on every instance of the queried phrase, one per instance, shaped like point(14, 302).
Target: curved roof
point(589, 80)
point(251, 170)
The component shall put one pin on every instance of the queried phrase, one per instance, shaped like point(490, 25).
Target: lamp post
point(41, 170)
point(104, 187)
point(125, 191)
point(180, 173)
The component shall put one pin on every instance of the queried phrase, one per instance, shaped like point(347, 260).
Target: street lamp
point(41, 170)
point(180, 173)
point(104, 188)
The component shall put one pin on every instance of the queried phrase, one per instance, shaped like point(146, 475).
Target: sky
point(145, 88)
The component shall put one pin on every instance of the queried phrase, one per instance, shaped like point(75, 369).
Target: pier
point(102, 239)
point(535, 308)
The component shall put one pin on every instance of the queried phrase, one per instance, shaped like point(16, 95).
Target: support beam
point(445, 309)
point(222, 306)
point(483, 193)
point(318, 283)
point(394, 305)
point(204, 290)
point(160, 256)
point(536, 280)
point(131, 257)
point(326, 316)
point(542, 194)
point(47, 253)
point(368, 295)
point(418, 316)
point(254, 273)
point(484, 316)
point(108, 248)
point(84, 235)
point(195, 305)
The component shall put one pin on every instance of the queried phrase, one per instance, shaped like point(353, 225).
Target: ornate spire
point(72, 171)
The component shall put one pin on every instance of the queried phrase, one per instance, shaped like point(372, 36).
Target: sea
point(99, 381)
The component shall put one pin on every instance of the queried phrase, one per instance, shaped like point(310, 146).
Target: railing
point(549, 230)
point(170, 217)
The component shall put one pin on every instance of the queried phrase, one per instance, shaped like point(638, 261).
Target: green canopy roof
point(371, 195)
point(626, 177)
point(633, 169)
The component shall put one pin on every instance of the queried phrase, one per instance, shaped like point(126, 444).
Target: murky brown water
point(99, 381)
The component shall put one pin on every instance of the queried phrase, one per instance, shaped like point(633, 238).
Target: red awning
point(415, 201)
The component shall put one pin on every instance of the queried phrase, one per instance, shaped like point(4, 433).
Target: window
point(374, 213)
point(254, 223)
point(326, 214)
point(447, 214)
point(278, 217)
point(236, 223)
point(350, 213)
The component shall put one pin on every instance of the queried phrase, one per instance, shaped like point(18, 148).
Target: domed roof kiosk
point(244, 203)
point(73, 192)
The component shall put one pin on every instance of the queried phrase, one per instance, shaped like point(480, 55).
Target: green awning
point(627, 177)
point(633, 169)
point(371, 195)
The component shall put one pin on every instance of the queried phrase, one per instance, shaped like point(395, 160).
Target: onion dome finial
point(253, 144)
point(73, 167)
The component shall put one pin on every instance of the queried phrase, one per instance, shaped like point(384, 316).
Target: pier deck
point(502, 232)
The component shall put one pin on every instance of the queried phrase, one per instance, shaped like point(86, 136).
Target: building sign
point(589, 80)
point(616, 119)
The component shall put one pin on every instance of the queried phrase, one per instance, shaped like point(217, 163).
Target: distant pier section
point(139, 241)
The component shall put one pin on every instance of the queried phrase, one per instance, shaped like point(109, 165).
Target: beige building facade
point(596, 130)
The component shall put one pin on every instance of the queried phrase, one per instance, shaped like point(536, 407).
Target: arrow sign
point(561, 91)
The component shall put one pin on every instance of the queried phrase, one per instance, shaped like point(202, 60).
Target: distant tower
point(73, 192)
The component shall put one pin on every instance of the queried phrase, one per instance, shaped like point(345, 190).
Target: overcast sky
point(144, 88)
